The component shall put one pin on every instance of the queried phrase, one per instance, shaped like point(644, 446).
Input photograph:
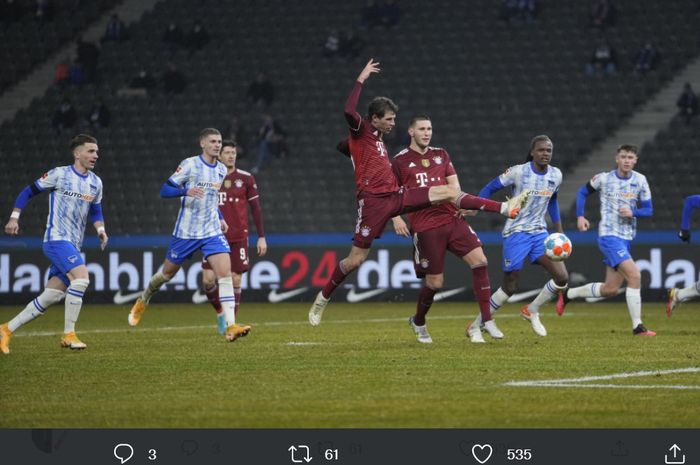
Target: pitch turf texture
point(361, 368)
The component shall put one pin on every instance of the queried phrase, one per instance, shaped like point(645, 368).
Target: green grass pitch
point(362, 368)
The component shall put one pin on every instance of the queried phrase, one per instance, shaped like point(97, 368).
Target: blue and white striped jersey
point(199, 218)
point(615, 193)
point(71, 194)
point(542, 187)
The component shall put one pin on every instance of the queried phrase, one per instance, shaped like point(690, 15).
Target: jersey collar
point(78, 172)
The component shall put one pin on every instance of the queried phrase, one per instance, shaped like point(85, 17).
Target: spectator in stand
point(64, 117)
point(197, 38)
point(174, 82)
point(88, 56)
point(272, 142)
point(603, 61)
point(141, 84)
point(115, 30)
point(331, 48)
point(99, 116)
point(371, 15)
point(61, 74)
point(646, 59)
point(76, 73)
point(173, 38)
point(261, 92)
point(350, 45)
point(390, 13)
point(687, 103)
point(236, 130)
point(603, 14)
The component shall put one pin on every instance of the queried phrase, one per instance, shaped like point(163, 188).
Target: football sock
point(227, 300)
point(587, 290)
point(472, 202)
point(425, 300)
point(213, 297)
point(549, 292)
point(237, 297)
point(337, 278)
point(482, 291)
point(74, 302)
point(497, 299)
point(157, 280)
point(688, 293)
point(35, 308)
point(634, 305)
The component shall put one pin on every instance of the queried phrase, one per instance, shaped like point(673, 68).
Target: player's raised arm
point(353, 118)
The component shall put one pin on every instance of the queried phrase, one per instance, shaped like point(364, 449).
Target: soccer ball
point(557, 247)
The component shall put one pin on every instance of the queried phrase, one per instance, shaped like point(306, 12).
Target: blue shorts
point(64, 257)
point(182, 249)
point(615, 250)
point(521, 245)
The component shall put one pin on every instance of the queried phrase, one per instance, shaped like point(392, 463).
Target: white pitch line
point(582, 381)
point(611, 386)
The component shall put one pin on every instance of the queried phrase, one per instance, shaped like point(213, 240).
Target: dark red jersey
point(432, 168)
point(238, 190)
point(373, 173)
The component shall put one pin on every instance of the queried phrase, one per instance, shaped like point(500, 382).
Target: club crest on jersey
point(238, 183)
point(365, 230)
point(425, 163)
point(437, 160)
point(424, 263)
point(227, 183)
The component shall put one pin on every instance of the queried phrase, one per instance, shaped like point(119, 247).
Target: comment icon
point(123, 452)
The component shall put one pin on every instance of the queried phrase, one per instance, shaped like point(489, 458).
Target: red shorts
point(374, 211)
point(429, 247)
point(239, 257)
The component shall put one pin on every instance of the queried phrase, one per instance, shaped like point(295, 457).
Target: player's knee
point(168, 275)
point(353, 262)
point(208, 279)
point(634, 279)
point(80, 284)
point(510, 286)
point(435, 282)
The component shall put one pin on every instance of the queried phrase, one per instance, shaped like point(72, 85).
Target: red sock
point(337, 278)
point(425, 300)
point(213, 297)
point(482, 290)
point(237, 296)
point(472, 202)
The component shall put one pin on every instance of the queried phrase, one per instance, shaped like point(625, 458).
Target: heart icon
point(479, 451)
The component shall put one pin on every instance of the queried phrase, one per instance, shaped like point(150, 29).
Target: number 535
point(519, 454)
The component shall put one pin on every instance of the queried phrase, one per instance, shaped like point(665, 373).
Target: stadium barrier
point(296, 266)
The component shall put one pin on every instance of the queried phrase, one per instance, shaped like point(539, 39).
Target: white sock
point(587, 290)
point(549, 292)
point(157, 280)
point(228, 301)
point(35, 308)
point(498, 298)
point(688, 293)
point(634, 305)
point(74, 302)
